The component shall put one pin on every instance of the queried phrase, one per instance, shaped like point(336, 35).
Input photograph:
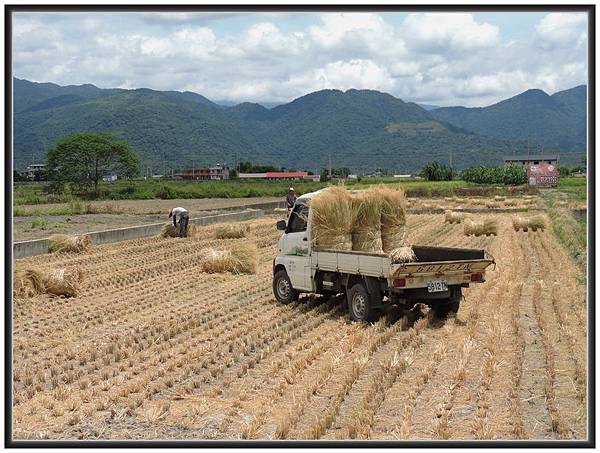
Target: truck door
point(295, 246)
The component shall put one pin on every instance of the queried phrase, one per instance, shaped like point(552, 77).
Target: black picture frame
point(9, 442)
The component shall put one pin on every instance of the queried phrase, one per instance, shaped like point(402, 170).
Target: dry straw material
point(404, 254)
point(480, 227)
point(333, 219)
point(525, 224)
point(453, 217)
point(499, 198)
point(510, 203)
point(58, 282)
point(493, 204)
point(239, 259)
point(171, 231)
point(65, 243)
point(366, 234)
point(231, 231)
point(393, 217)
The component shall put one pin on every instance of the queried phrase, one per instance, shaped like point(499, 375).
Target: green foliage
point(173, 130)
point(556, 122)
point(40, 223)
point(82, 159)
point(508, 174)
point(436, 172)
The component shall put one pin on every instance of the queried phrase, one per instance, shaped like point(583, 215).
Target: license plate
point(436, 286)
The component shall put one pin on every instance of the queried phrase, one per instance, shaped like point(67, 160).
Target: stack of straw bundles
point(393, 217)
point(65, 243)
point(333, 218)
point(59, 282)
point(533, 223)
point(453, 217)
point(366, 234)
point(231, 231)
point(480, 227)
point(239, 259)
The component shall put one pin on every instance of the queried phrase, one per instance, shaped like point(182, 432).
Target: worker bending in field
point(290, 198)
point(184, 218)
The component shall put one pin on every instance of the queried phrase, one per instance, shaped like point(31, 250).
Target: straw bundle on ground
point(499, 198)
point(404, 254)
point(527, 197)
point(525, 224)
point(231, 231)
point(63, 282)
point(393, 217)
point(366, 234)
point(239, 259)
point(66, 243)
point(510, 203)
point(453, 217)
point(492, 204)
point(480, 227)
point(477, 201)
point(59, 282)
point(27, 283)
point(171, 231)
point(333, 218)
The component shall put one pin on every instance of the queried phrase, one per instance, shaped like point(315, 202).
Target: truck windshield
point(298, 219)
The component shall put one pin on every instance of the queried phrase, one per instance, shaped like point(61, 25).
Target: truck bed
point(430, 261)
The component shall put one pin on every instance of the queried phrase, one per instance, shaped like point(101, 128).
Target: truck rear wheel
point(360, 304)
point(282, 288)
point(450, 306)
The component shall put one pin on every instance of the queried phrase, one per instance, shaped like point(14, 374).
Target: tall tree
point(82, 160)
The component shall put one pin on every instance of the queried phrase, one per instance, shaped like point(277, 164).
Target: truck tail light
point(400, 282)
point(476, 277)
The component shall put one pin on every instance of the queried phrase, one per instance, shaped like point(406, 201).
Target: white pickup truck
point(371, 280)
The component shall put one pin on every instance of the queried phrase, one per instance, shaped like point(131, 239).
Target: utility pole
point(329, 164)
point(450, 159)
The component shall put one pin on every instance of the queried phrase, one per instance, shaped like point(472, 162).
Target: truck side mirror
point(281, 225)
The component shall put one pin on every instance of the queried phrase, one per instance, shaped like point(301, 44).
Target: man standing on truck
point(290, 199)
point(184, 218)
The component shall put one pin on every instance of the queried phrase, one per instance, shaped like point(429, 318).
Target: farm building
point(215, 173)
point(542, 170)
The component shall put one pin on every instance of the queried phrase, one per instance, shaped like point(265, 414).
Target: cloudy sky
point(435, 58)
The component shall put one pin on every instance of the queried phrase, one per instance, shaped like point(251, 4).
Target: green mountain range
point(557, 121)
point(359, 129)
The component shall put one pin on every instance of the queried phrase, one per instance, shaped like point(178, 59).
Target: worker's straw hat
point(291, 189)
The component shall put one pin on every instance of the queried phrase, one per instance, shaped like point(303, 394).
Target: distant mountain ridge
point(557, 121)
point(360, 129)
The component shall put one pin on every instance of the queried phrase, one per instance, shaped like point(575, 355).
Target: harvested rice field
point(153, 348)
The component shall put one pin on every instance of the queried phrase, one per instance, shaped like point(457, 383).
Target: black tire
point(450, 306)
point(360, 304)
point(282, 288)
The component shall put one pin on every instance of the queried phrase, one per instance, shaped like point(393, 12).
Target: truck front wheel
point(360, 304)
point(282, 288)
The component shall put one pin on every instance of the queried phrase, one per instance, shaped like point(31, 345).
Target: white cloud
point(434, 32)
point(443, 59)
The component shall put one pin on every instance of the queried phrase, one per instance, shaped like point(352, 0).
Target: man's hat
point(291, 189)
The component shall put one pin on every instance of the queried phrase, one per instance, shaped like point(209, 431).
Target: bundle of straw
point(239, 259)
point(492, 204)
point(393, 217)
point(333, 218)
point(480, 227)
point(404, 254)
point(65, 243)
point(366, 234)
point(59, 282)
point(27, 283)
point(63, 282)
point(477, 201)
point(171, 231)
point(453, 217)
point(533, 223)
point(510, 203)
point(499, 198)
point(231, 231)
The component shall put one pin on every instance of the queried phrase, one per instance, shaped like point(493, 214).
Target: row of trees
point(506, 174)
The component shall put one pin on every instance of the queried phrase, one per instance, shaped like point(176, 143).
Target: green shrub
point(436, 172)
point(511, 175)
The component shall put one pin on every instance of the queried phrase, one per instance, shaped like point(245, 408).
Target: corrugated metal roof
point(294, 174)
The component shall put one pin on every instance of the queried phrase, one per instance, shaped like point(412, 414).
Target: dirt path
point(155, 349)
